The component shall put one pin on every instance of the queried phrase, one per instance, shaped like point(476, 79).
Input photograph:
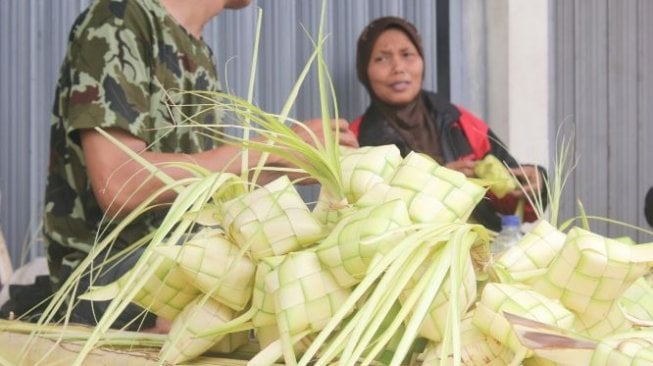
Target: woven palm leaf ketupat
point(183, 343)
point(637, 302)
point(531, 256)
point(306, 296)
point(271, 220)
point(498, 298)
point(590, 274)
point(165, 292)
point(564, 347)
point(364, 167)
point(478, 348)
point(358, 237)
point(215, 266)
point(432, 192)
point(361, 169)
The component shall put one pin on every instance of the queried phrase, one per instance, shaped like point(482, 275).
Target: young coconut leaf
point(434, 325)
point(170, 232)
point(380, 268)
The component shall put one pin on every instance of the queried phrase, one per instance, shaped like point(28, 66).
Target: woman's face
point(396, 69)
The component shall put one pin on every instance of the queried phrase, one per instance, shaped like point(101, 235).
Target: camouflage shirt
point(124, 59)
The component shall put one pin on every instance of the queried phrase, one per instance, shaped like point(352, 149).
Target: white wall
point(500, 71)
point(528, 80)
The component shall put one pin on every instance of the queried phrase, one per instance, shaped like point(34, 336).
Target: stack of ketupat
point(374, 272)
point(385, 269)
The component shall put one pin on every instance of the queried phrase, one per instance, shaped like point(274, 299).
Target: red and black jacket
point(462, 136)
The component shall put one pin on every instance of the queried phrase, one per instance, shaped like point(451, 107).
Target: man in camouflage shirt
point(124, 58)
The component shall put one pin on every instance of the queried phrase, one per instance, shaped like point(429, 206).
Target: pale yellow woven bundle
point(637, 301)
point(519, 300)
point(477, 349)
point(589, 275)
point(533, 254)
point(183, 342)
point(262, 300)
point(165, 292)
point(364, 167)
point(432, 192)
point(306, 295)
point(215, 266)
point(359, 237)
point(631, 348)
point(271, 220)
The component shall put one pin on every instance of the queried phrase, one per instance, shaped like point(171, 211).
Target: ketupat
point(215, 266)
point(478, 349)
point(359, 237)
point(164, 293)
point(495, 174)
point(589, 275)
point(498, 299)
point(433, 193)
point(271, 220)
point(183, 343)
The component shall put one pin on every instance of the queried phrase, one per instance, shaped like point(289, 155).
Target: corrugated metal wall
point(33, 36)
point(604, 96)
point(603, 87)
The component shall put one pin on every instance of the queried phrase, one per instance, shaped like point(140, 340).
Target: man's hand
point(345, 136)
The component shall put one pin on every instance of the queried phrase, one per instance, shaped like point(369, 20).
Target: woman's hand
point(464, 166)
point(529, 178)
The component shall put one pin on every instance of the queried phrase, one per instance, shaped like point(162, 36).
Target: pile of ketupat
point(384, 269)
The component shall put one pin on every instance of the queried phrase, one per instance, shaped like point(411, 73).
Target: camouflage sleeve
point(110, 71)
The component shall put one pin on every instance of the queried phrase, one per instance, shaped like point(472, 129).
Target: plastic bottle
point(509, 235)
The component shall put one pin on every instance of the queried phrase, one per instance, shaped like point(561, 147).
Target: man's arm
point(121, 184)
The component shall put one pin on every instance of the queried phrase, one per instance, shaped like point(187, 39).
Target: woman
point(390, 64)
